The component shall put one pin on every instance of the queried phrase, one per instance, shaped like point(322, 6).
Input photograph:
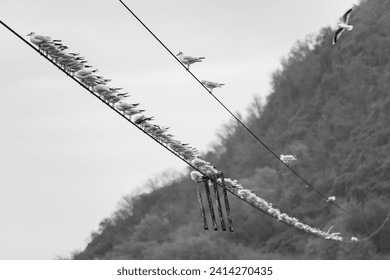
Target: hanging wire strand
point(181, 158)
point(235, 117)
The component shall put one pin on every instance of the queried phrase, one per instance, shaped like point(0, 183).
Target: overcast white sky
point(65, 158)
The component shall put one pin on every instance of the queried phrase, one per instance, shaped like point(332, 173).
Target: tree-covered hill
point(330, 105)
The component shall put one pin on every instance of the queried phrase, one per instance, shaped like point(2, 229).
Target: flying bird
point(188, 60)
point(342, 25)
point(211, 85)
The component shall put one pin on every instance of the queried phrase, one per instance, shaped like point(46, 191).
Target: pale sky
point(66, 159)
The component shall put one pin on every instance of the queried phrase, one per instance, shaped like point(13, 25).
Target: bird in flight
point(188, 60)
point(211, 85)
point(342, 25)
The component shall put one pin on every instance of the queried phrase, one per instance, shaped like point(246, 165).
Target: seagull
point(342, 25)
point(188, 60)
point(150, 128)
point(197, 177)
point(130, 112)
point(199, 162)
point(141, 119)
point(287, 159)
point(85, 72)
point(41, 39)
point(331, 199)
point(211, 85)
point(114, 98)
point(209, 170)
point(86, 76)
point(101, 89)
point(123, 106)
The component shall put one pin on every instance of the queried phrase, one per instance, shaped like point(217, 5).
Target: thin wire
point(122, 115)
point(234, 116)
point(378, 230)
point(175, 154)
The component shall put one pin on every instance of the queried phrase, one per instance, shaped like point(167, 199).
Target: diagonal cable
point(235, 117)
point(184, 160)
point(175, 154)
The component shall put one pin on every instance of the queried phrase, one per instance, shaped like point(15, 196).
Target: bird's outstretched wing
point(337, 35)
point(345, 17)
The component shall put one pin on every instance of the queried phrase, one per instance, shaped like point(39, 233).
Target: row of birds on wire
point(76, 66)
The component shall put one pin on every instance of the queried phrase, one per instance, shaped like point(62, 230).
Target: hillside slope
point(330, 105)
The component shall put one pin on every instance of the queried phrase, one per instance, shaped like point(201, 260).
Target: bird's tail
point(202, 57)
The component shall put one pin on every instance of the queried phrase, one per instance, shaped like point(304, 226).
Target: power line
point(177, 155)
point(127, 119)
point(234, 116)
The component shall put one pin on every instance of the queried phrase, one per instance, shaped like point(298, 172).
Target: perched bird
point(331, 199)
point(287, 159)
point(189, 155)
point(38, 39)
point(354, 238)
point(141, 119)
point(188, 60)
point(230, 183)
point(342, 25)
point(166, 138)
point(196, 176)
point(114, 98)
point(84, 73)
point(132, 111)
point(211, 85)
point(209, 170)
point(123, 106)
point(197, 162)
point(101, 89)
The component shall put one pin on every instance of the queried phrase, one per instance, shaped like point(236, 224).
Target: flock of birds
point(77, 67)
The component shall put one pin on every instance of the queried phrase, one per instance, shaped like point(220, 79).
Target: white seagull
point(132, 111)
point(211, 85)
point(188, 60)
point(123, 106)
point(83, 75)
point(40, 39)
point(139, 119)
point(197, 162)
point(197, 177)
point(287, 159)
point(342, 25)
point(331, 199)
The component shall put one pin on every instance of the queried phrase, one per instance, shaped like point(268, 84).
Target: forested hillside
point(329, 105)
